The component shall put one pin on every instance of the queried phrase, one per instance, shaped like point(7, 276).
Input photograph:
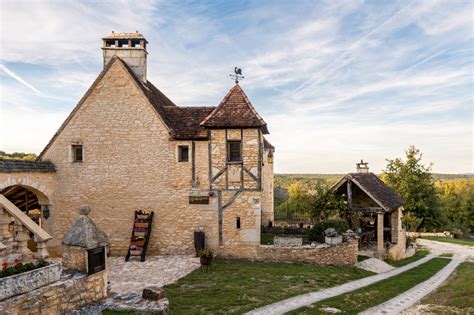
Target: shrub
point(206, 253)
point(20, 267)
point(317, 232)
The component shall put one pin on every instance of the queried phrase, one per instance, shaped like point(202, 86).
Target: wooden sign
point(198, 200)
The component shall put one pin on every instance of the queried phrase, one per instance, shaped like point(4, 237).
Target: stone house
point(368, 195)
point(126, 146)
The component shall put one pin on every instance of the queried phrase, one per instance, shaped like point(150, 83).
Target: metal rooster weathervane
point(237, 75)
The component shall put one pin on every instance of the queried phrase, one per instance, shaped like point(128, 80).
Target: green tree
point(414, 183)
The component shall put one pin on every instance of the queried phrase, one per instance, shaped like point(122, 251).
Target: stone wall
point(71, 292)
point(399, 251)
point(344, 254)
point(267, 189)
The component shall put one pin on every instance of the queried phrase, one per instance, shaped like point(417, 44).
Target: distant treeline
point(17, 156)
point(434, 202)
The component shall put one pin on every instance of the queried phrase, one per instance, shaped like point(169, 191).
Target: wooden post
point(380, 249)
point(349, 194)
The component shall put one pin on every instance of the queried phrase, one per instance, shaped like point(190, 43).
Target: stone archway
point(42, 192)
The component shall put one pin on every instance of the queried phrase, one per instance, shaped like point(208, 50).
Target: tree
point(414, 183)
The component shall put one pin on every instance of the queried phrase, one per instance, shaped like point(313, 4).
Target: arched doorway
point(32, 202)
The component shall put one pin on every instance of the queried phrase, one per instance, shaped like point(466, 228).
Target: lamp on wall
point(372, 221)
point(45, 211)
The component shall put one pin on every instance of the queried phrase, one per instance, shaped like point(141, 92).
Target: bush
point(20, 267)
point(317, 232)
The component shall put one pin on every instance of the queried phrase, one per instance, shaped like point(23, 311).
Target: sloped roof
point(10, 166)
point(267, 144)
point(235, 111)
point(375, 188)
point(124, 35)
point(85, 233)
point(185, 121)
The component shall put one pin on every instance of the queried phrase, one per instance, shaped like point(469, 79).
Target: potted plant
point(206, 257)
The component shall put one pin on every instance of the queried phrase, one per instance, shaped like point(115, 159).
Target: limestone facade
point(130, 161)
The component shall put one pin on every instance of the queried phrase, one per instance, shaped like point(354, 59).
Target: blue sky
point(336, 81)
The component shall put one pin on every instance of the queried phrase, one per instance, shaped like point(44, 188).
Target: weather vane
point(237, 75)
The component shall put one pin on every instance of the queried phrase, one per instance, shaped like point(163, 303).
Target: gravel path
point(410, 297)
point(374, 265)
point(463, 251)
point(313, 297)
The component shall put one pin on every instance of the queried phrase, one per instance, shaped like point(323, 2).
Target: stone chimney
point(130, 47)
point(362, 167)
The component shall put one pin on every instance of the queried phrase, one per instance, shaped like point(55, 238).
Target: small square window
point(183, 153)
point(77, 153)
point(234, 151)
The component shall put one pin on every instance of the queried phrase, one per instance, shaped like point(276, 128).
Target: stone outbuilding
point(366, 193)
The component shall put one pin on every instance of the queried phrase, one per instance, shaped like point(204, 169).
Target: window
point(77, 153)
point(234, 151)
point(183, 153)
point(237, 222)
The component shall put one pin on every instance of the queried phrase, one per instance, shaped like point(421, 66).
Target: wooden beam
point(349, 194)
point(219, 174)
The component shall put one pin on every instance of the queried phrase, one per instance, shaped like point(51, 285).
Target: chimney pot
point(362, 167)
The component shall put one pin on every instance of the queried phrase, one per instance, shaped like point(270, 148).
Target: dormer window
point(183, 153)
point(77, 153)
point(234, 151)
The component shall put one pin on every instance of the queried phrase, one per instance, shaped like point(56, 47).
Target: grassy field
point(377, 293)
point(457, 291)
point(418, 255)
point(459, 241)
point(236, 286)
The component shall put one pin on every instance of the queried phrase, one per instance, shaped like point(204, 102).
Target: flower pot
point(205, 261)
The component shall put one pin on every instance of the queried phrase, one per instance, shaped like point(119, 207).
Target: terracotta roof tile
point(185, 121)
point(235, 111)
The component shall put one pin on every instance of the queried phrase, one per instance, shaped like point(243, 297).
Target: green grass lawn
point(420, 253)
point(377, 293)
point(457, 291)
point(459, 241)
point(362, 258)
point(236, 286)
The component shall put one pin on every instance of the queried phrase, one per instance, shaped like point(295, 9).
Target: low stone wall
point(70, 292)
point(30, 280)
point(422, 234)
point(344, 254)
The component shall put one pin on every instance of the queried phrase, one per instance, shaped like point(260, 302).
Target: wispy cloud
point(351, 78)
point(18, 78)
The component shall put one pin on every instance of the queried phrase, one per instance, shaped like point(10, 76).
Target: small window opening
point(123, 43)
point(183, 153)
point(234, 151)
point(136, 43)
point(237, 222)
point(77, 153)
point(110, 43)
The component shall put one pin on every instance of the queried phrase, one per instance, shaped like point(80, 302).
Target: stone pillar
point(22, 238)
point(395, 225)
point(380, 249)
point(41, 250)
point(6, 236)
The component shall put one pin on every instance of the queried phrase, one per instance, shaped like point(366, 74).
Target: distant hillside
point(283, 180)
